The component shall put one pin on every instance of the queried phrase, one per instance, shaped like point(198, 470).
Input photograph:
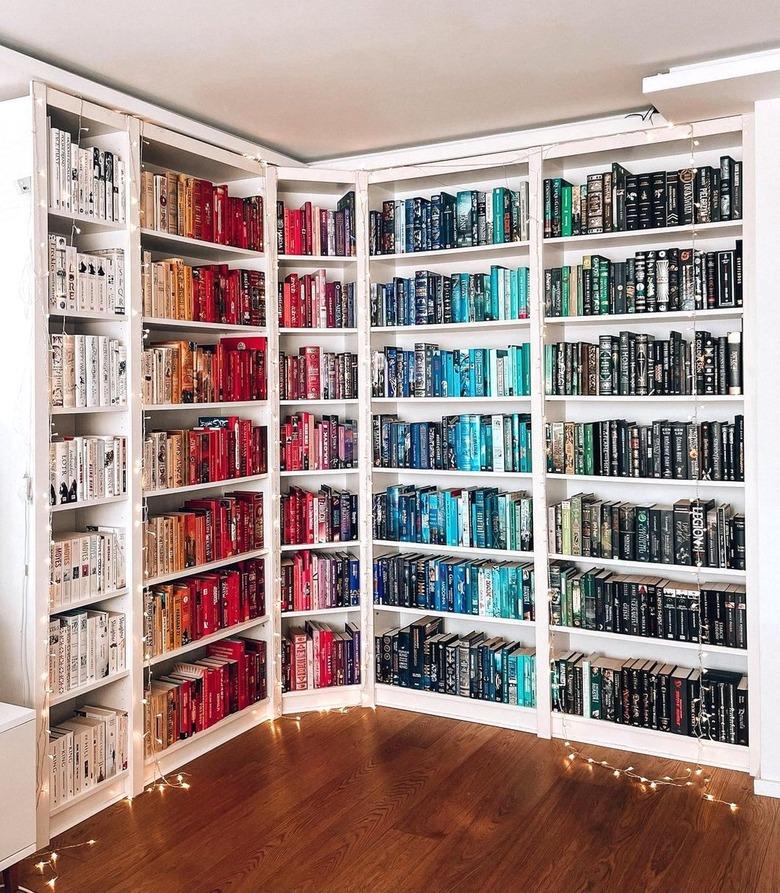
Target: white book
point(497, 423)
point(54, 771)
point(54, 653)
point(83, 648)
point(121, 191)
point(69, 370)
point(65, 173)
point(121, 355)
point(93, 388)
point(67, 572)
point(100, 283)
point(105, 393)
point(55, 574)
point(80, 370)
point(91, 672)
point(56, 372)
point(72, 296)
point(54, 176)
point(95, 565)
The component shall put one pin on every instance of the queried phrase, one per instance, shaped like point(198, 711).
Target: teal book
point(464, 219)
point(566, 221)
point(499, 232)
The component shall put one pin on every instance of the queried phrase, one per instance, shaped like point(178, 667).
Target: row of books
point(694, 532)
point(471, 442)
point(203, 530)
point(195, 695)
point(707, 451)
point(676, 279)
point(181, 613)
point(180, 371)
point(316, 374)
point(85, 646)
point(311, 581)
point(172, 289)
point(650, 607)
point(462, 586)
point(472, 217)
point(85, 749)
point(175, 203)
point(652, 694)
point(477, 517)
point(428, 371)
point(327, 516)
point(434, 299)
point(85, 180)
point(316, 656)
point(86, 282)
point(87, 370)
point(308, 443)
point(82, 468)
point(309, 301)
point(640, 365)
point(423, 656)
point(318, 231)
point(217, 449)
point(86, 564)
point(617, 200)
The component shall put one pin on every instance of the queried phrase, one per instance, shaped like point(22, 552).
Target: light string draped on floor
point(700, 778)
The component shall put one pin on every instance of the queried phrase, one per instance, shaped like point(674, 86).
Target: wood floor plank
point(391, 801)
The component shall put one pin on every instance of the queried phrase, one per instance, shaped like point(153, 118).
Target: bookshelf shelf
point(320, 260)
point(209, 485)
point(154, 240)
point(203, 568)
point(707, 573)
point(466, 551)
point(87, 225)
point(317, 547)
point(672, 316)
point(87, 410)
point(224, 633)
point(490, 713)
point(469, 327)
point(332, 696)
point(199, 407)
point(476, 618)
point(323, 472)
point(321, 612)
point(451, 472)
point(665, 482)
point(87, 803)
point(717, 230)
point(327, 332)
point(468, 252)
point(318, 402)
point(86, 602)
point(96, 791)
point(191, 325)
point(659, 744)
point(653, 398)
point(459, 400)
point(80, 690)
point(88, 503)
point(738, 653)
point(91, 315)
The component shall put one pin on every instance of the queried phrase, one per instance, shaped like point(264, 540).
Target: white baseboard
point(766, 787)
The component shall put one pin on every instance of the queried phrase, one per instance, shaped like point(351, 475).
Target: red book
point(220, 214)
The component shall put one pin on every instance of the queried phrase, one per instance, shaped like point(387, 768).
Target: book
point(327, 516)
point(309, 443)
point(309, 301)
point(318, 232)
point(460, 586)
point(312, 581)
point(314, 374)
point(318, 656)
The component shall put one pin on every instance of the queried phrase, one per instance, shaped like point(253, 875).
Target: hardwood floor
point(392, 801)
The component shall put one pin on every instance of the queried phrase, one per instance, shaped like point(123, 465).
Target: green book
point(566, 209)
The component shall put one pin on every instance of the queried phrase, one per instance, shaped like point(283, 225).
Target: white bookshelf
point(26, 221)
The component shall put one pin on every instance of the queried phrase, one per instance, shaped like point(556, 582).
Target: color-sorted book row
point(706, 451)
point(85, 180)
point(640, 365)
point(87, 371)
point(476, 517)
point(316, 656)
point(313, 581)
point(434, 583)
point(181, 613)
point(203, 530)
point(85, 749)
point(693, 533)
point(470, 218)
point(650, 607)
point(428, 371)
point(433, 299)
point(310, 302)
point(676, 279)
point(218, 449)
point(318, 231)
point(172, 289)
point(86, 564)
point(617, 200)
point(86, 467)
point(309, 444)
point(651, 694)
point(315, 374)
point(93, 282)
point(327, 516)
point(422, 656)
point(85, 646)
point(472, 442)
point(183, 372)
point(197, 209)
point(194, 695)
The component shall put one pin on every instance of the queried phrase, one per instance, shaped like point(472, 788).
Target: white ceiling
point(323, 78)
